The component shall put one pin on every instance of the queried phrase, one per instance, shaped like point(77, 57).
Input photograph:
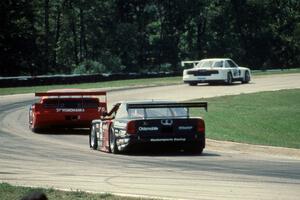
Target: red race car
point(70, 108)
point(148, 123)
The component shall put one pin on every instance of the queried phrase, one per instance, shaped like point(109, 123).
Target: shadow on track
point(65, 131)
point(168, 151)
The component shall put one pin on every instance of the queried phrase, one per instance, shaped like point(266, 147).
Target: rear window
point(157, 112)
point(70, 103)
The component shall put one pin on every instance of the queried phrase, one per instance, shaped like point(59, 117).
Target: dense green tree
point(90, 36)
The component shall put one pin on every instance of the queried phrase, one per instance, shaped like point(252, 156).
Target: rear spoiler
point(194, 62)
point(169, 105)
point(45, 94)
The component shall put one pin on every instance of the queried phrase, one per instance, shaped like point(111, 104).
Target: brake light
point(200, 126)
point(131, 129)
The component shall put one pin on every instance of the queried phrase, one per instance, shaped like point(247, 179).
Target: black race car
point(139, 123)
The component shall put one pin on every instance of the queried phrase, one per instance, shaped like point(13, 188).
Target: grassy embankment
point(120, 83)
point(9, 192)
point(266, 118)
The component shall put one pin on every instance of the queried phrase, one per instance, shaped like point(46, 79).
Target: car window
point(227, 65)
point(232, 64)
point(65, 103)
point(50, 103)
point(218, 64)
point(207, 64)
point(136, 113)
point(121, 112)
point(157, 112)
point(90, 103)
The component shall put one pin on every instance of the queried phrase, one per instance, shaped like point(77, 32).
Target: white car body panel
point(214, 70)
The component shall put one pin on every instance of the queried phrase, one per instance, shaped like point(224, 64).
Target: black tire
point(112, 142)
point(229, 79)
point(32, 125)
point(194, 148)
point(93, 138)
point(246, 77)
point(193, 83)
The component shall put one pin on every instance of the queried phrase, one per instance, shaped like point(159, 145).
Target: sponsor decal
point(151, 128)
point(162, 140)
point(179, 139)
point(69, 110)
point(168, 140)
point(185, 127)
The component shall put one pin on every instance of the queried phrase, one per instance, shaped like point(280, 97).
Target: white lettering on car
point(152, 128)
point(69, 110)
point(185, 127)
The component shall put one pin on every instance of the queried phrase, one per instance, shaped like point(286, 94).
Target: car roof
point(215, 59)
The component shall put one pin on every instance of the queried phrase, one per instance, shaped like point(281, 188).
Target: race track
point(224, 171)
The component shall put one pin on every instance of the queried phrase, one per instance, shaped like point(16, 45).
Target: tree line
point(101, 36)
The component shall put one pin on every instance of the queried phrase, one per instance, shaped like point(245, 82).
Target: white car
point(215, 70)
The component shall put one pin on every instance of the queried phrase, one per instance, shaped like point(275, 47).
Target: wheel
point(246, 78)
point(193, 83)
point(113, 146)
point(32, 123)
point(93, 138)
point(229, 79)
point(194, 149)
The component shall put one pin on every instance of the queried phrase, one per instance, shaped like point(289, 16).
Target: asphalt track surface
point(225, 170)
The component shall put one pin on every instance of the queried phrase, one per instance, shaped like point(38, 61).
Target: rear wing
point(169, 105)
point(48, 94)
point(194, 62)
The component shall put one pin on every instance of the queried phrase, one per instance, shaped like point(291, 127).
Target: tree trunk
point(57, 35)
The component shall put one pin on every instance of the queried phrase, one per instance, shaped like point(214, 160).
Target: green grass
point(9, 192)
point(120, 83)
point(271, 72)
point(266, 118)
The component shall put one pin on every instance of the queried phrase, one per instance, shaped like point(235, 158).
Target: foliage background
point(91, 36)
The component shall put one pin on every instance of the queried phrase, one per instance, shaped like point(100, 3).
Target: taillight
point(131, 127)
point(200, 126)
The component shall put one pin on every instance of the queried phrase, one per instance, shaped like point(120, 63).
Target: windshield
point(210, 63)
point(157, 112)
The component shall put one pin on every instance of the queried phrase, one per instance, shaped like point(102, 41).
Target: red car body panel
point(67, 108)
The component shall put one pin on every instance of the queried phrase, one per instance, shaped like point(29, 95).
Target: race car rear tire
point(93, 138)
point(112, 142)
point(194, 149)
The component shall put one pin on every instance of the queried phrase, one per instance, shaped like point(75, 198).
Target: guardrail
point(77, 78)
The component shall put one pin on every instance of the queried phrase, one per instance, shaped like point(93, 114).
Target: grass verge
point(8, 192)
point(121, 83)
point(266, 118)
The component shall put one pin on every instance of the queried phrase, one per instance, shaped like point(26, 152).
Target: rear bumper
point(178, 141)
point(68, 121)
